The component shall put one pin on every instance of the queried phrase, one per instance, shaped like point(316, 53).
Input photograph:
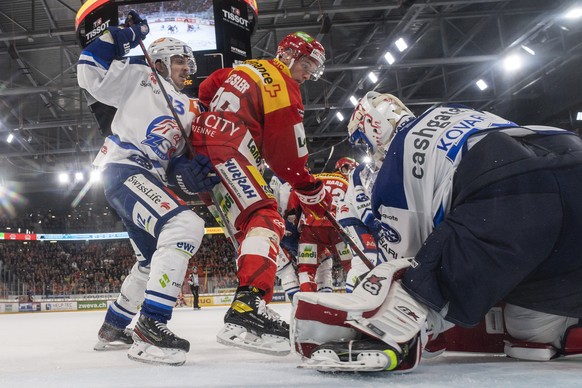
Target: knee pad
point(261, 242)
point(184, 232)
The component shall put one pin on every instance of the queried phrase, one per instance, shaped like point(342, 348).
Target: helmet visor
point(185, 60)
point(308, 65)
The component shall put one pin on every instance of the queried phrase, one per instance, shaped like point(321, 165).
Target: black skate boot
point(113, 338)
point(148, 333)
point(251, 325)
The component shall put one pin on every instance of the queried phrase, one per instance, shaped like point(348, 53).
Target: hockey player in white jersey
point(146, 141)
point(477, 210)
point(355, 216)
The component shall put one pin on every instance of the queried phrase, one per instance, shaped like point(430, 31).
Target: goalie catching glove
point(315, 201)
point(378, 327)
point(191, 176)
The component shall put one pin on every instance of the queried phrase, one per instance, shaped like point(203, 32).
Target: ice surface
point(55, 349)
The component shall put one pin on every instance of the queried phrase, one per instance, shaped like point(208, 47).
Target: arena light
point(373, 77)
point(9, 138)
point(512, 62)
point(579, 116)
point(354, 100)
point(528, 50)
point(339, 116)
point(79, 176)
point(401, 45)
point(574, 13)
point(367, 159)
point(389, 57)
point(482, 85)
point(64, 178)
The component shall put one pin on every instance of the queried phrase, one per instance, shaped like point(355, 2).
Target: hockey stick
point(348, 240)
point(189, 145)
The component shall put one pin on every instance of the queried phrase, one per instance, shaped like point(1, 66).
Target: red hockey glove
point(315, 201)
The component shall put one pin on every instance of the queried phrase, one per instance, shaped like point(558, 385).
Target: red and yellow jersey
point(257, 109)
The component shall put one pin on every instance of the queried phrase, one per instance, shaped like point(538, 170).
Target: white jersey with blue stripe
point(145, 133)
point(356, 206)
point(413, 191)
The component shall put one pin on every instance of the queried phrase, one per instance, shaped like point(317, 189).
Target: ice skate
point(251, 325)
point(113, 338)
point(354, 356)
point(154, 343)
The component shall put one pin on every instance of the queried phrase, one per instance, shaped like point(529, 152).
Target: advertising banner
point(223, 299)
point(206, 301)
point(92, 305)
point(59, 306)
point(8, 307)
point(28, 307)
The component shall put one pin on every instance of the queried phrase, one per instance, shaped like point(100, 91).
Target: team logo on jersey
point(362, 197)
point(162, 136)
point(141, 161)
point(373, 284)
point(390, 234)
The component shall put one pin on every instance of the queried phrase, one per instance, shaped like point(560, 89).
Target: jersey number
point(225, 101)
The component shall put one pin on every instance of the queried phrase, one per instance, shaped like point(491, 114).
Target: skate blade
point(328, 361)
point(237, 336)
point(108, 346)
point(150, 354)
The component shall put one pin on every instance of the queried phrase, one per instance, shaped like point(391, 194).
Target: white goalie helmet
point(375, 120)
point(164, 49)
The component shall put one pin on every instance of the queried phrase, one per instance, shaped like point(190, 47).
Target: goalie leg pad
point(319, 318)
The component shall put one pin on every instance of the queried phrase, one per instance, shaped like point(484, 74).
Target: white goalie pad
point(397, 321)
point(320, 318)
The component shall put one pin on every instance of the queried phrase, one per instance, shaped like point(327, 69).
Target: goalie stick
point(190, 148)
point(348, 240)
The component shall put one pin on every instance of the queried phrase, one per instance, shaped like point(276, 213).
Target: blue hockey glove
point(191, 176)
point(137, 24)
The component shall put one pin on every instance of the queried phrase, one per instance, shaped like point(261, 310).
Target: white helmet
point(165, 48)
point(375, 121)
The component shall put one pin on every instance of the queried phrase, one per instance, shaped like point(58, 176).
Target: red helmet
point(345, 164)
point(304, 44)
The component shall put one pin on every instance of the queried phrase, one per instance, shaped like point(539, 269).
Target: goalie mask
point(164, 49)
point(375, 121)
point(302, 45)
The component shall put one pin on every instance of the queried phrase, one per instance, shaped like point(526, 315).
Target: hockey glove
point(137, 24)
point(315, 201)
point(192, 176)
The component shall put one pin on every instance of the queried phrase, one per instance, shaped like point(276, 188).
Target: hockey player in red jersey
point(256, 112)
point(319, 240)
